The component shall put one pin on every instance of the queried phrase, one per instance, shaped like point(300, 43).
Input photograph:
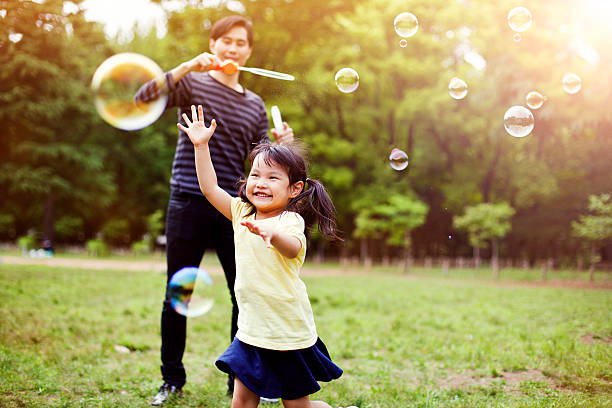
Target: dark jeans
point(192, 226)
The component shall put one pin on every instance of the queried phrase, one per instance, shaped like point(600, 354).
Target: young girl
point(276, 351)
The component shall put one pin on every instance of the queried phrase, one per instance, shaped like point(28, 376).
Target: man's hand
point(283, 136)
point(197, 131)
point(203, 62)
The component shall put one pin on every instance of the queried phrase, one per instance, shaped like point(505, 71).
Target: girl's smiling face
point(268, 189)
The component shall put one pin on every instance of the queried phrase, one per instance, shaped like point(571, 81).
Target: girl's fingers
point(200, 113)
point(194, 115)
point(181, 127)
point(186, 119)
point(213, 124)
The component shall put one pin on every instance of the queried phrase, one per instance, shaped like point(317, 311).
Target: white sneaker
point(269, 400)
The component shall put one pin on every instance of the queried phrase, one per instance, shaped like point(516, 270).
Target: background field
point(84, 337)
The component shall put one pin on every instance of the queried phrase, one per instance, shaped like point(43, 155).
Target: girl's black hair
point(313, 203)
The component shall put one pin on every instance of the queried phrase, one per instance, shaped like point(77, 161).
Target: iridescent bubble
point(571, 83)
point(347, 80)
point(403, 43)
point(534, 100)
point(519, 19)
point(457, 88)
point(516, 37)
point(190, 291)
point(116, 82)
point(518, 121)
point(406, 24)
point(398, 159)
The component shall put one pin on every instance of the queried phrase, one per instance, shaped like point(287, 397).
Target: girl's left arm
point(288, 245)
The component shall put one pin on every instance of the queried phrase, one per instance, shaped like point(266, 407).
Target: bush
point(25, 243)
point(116, 232)
point(96, 247)
point(69, 229)
point(141, 247)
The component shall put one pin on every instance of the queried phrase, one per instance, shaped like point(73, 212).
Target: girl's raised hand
point(265, 233)
point(197, 131)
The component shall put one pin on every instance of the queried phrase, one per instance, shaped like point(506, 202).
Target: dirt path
point(309, 270)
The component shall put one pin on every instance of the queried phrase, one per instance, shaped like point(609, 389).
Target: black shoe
point(165, 392)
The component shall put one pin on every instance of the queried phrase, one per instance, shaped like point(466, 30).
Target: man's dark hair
point(227, 23)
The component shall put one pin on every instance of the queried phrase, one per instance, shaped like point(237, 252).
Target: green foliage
point(69, 229)
point(116, 232)
point(7, 225)
point(52, 142)
point(25, 243)
point(597, 227)
point(97, 247)
point(141, 247)
point(485, 221)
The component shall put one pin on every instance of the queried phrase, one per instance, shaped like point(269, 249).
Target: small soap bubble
point(519, 19)
point(403, 43)
point(534, 100)
point(457, 88)
point(116, 82)
point(347, 80)
point(398, 159)
point(406, 24)
point(516, 37)
point(571, 83)
point(518, 121)
point(450, 237)
point(190, 291)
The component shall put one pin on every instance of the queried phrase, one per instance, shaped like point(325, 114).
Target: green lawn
point(417, 341)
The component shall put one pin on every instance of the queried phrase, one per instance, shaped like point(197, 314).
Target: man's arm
point(201, 63)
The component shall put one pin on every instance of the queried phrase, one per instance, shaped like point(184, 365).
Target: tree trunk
point(407, 254)
point(495, 257)
point(544, 270)
point(476, 257)
point(365, 257)
point(320, 254)
point(48, 223)
point(592, 266)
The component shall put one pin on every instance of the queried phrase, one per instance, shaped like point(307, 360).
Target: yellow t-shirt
point(273, 307)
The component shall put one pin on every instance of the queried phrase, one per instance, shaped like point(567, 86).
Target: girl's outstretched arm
point(288, 245)
point(199, 135)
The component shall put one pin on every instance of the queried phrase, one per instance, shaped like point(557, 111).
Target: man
point(192, 223)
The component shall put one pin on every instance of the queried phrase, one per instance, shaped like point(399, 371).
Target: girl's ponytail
point(316, 204)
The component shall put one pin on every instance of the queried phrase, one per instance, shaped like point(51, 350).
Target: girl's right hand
point(204, 62)
point(197, 131)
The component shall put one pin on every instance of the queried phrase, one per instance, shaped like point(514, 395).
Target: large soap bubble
point(457, 88)
point(534, 100)
point(115, 84)
point(571, 83)
point(519, 19)
point(347, 80)
point(190, 291)
point(518, 121)
point(406, 24)
point(398, 159)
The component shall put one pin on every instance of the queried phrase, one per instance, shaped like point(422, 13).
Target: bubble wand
point(230, 67)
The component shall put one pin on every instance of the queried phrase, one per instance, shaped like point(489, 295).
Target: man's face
point(233, 45)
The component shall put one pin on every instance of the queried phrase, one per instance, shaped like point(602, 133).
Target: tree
point(49, 162)
point(483, 222)
point(595, 228)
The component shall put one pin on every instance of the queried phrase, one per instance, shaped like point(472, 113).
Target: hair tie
point(308, 180)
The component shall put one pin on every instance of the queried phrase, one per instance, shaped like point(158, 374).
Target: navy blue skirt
point(287, 374)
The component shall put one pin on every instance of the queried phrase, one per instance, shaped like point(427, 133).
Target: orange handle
point(228, 67)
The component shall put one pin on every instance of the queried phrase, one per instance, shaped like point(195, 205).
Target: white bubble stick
point(276, 118)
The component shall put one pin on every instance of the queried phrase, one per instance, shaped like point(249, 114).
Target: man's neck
point(231, 81)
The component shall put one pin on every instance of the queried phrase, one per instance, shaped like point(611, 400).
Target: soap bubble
point(116, 82)
point(406, 24)
point(571, 83)
point(518, 121)
point(519, 19)
point(403, 43)
point(347, 80)
point(457, 88)
point(516, 37)
point(398, 159)
point(534, 100)
point(190, 292)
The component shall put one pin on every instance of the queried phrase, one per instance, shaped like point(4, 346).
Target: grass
point(421, 341)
